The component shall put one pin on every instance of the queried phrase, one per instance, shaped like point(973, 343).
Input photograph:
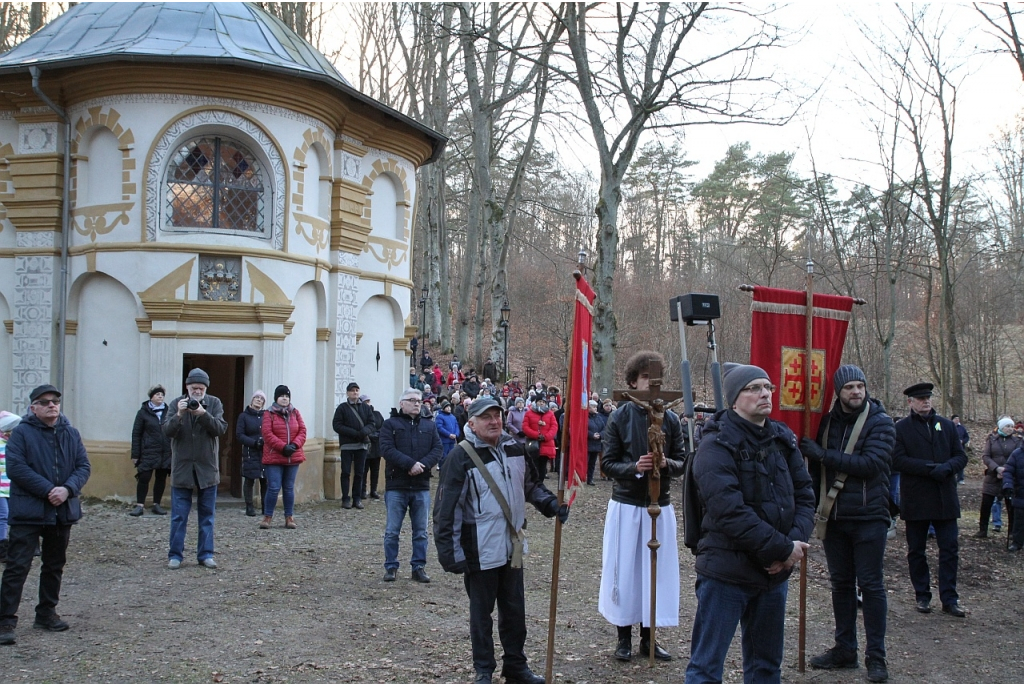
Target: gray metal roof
point(218, 32)
point(234, 33)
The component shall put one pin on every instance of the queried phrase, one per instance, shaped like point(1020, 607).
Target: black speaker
point(697, 307)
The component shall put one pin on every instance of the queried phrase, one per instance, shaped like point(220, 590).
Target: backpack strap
point(829, 500)
point(518, 534)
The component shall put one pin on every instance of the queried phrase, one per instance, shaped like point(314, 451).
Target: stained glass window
point(215, 182)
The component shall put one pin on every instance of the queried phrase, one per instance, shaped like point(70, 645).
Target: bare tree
point(644, 67)
point(1003, 20)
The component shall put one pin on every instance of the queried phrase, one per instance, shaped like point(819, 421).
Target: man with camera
point(194, 429)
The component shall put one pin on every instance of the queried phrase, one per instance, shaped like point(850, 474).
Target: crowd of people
point(753, 495)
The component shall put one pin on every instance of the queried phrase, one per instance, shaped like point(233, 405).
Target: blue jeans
point(855, 551)
point(417, 503)
point(997, 513)
point(181, 506)
point(280, 476)
point(3, 518)
point(720, 607)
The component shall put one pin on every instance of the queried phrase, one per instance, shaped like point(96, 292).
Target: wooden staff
point(809, 349)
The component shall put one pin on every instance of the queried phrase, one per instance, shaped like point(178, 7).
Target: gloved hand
point(520, 434)
point(563, 513)
point(289, 449)
point(811, 449)
point(259, 443)
point(942, 471)
point(367, 431)
point(458, 567)
point(540, 438)
point(1007, 493)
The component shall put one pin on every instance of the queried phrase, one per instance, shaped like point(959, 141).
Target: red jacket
point(452, 377)
point(278, 431)
point(533, 429)
point(438, 378)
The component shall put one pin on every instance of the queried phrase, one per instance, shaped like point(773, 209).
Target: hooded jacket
point(514, 423)
point(248, 430)
point(757, 499)
point(625, 440)
point(405, 440)
point(865, 494)
point(533, 429)
point(40, 458)
point(281, 426)
point(195, 444)
point(150, 447)
point(1013, 478)
point(470, 530)
point(447, 425)
point(928, 454)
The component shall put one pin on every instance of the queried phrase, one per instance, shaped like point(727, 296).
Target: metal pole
point(716, 369)
point(507, 326)
point(687, 380)
point(809, 350)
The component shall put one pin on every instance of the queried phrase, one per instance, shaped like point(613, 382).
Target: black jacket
point(378, 421)
point(928, 454)
point(757, 499)
point(350, 428)
point(595, 424)
point(405, 440)
point(249, 430)
point(150, 447)
point(625, 441)
point(40, 458)
point(865, 495)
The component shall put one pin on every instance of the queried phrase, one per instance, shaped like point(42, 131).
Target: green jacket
point(195, 444)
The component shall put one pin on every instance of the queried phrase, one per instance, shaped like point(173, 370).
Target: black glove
point(540, 438)
point(1007, 493)
point(259, 443)
point(811, 449)
point(520, 434)
point(367, 430)
point(458, 567)
point(563, 513)
point(289, 449)
point(942, 471)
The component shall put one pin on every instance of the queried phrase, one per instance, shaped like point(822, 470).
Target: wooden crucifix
point(653, 400)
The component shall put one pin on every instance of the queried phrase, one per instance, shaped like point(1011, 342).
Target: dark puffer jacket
point(865, 495)
point(625, 440)
point(757, 499)
point(928, 455)
point(249, 430)
point(998, 449)
point(1013, 478)
point(150, 447)
point(405, 440)
point(40, 458)
point(595, 426)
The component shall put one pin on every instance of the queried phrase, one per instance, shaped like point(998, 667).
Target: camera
point(194, 404)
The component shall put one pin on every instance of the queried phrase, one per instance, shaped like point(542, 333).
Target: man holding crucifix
point(629, 460)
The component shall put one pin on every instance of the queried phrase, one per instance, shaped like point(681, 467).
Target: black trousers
point(986, 510)
point(504, 586)
point(946, 533)
point(248, 485)
point(21, 546)
point(352, 480)
point(158, 484)
point(591, 464)
point(372, 475)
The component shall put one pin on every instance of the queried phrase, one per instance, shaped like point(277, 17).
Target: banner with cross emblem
point(778, 333)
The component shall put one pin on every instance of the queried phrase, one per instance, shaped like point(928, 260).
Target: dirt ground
point(308, 605)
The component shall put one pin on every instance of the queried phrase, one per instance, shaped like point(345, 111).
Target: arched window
point(215, 182)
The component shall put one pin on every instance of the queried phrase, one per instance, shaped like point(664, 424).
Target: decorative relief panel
point(37, 137)
point(229, 120)
point(37, 239)
point(388, 252)
point(345, 328)
point(351, 167)
point(220, 278)
point(33, 317)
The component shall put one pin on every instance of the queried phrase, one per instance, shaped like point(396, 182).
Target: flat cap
point(42, 390)
point(919, 390)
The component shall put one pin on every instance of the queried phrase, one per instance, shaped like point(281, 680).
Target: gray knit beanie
point(735, 377)
point(847, 374)
point(198, 376)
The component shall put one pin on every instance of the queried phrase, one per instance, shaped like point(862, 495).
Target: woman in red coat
point(539, 424)
point(284, 434)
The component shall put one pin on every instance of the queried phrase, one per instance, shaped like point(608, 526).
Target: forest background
point(592, 127)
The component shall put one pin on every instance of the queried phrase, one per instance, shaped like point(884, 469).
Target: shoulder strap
point(518, 535)
point(356, 413)
point(829, 500)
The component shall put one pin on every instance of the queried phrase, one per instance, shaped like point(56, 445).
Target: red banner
point(577, 395)
point(778, 335)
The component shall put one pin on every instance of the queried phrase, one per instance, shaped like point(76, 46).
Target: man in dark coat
point(928, 454)
point(758, 512)
point(48, 467)
point(353, 422)
point(194, 427)
point(410, 447)
point(853, 480)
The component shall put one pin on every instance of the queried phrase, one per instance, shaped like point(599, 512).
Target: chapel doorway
point(227, 383)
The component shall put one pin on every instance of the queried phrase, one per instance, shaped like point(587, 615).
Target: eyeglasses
point(757, 388)
point(413, 401)
point(46, 403)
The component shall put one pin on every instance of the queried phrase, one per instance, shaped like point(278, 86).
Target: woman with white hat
point(998, 446)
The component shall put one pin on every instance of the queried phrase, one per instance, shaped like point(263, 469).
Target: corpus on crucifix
point(643, 451)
